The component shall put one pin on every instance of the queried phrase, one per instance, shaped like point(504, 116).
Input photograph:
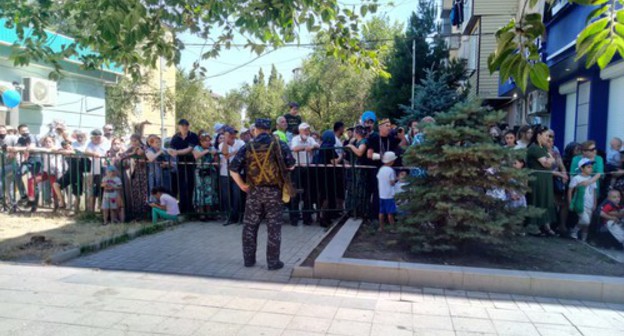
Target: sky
point(285, 59)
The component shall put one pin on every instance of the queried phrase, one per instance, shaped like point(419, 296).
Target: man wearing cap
point(230, 193)
point(293, 119)
point(182, 145)
point(96, 149)
point(262, 159)
point(280, 132)
point(303, 145)
point(378, 144)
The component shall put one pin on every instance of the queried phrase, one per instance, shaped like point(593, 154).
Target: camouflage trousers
point(263, 203)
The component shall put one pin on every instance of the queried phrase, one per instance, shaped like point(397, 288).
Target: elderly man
point(108, 132)
point(230, 193)
point(96, 149)
point(263, 160)
point(303, 145)
point(280, 132)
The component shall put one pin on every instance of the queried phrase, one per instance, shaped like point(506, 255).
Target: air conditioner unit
point(536, 102)
point(39, 91)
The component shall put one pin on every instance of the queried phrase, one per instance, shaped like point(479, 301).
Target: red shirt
point(608, 208)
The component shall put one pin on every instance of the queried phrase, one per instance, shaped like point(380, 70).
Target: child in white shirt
point(386, 178)
point(583, 204)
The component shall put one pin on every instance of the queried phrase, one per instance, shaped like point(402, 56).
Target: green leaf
point(507, 67)
point(619, 29)
point(539, 76)
point(363, 10)
point(590, 44)
point(597, 12)
point(592, 29)
point(605, 59)
point(620, 15)
point(597, 51)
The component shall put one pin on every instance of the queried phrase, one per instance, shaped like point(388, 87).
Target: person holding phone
point(167, 208)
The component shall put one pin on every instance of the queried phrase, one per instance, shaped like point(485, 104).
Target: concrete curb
point(64, 256)
point(332, 265)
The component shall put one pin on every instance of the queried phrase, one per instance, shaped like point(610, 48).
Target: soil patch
point(35, 238)
point(522, 253)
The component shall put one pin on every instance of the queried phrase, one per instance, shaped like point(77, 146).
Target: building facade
point(585, 104)
point(78, 98)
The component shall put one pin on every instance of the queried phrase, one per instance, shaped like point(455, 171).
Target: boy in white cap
point(582, 199)
point(386, 178)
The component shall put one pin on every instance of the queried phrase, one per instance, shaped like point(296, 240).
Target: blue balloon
point(11, 98)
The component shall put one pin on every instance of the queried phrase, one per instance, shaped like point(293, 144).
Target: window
point(557, 6)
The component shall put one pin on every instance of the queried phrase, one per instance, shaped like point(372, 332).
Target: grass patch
point(35, 238)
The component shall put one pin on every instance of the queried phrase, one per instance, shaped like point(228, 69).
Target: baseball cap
point(584, 162)
point(244, 130)
point(293, 104)
point(388, 157)
point(229, 129)
point(183, 122)
point(263, 123)
point(303, 126)
point(384, 121)
point(218, 127)
point(369, 115)
point(96, 132)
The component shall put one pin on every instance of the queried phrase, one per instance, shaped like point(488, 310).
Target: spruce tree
point(437, 92)
point(450, 208)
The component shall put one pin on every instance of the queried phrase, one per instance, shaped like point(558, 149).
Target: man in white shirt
point(230, 193)
point(303, 147)
point(96, 149)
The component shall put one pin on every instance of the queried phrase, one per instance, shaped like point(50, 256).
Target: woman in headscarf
point(542, 196)
point(357, 188)
point(328, 160)
point(136, 176)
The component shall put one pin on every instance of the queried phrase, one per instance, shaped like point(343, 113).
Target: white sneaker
point(574, 234)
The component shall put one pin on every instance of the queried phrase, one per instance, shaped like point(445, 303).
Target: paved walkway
point(40, 300)
point(205, 249)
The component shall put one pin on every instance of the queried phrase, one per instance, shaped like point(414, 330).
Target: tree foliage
point(437, 92)
point(431, 52)
point(463, 165)
point(598, 42)
point(200, 107)
point(135, 33)
point(265, 99)
point(329, 91)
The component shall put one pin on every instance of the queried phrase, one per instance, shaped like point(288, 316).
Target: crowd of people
point(355, 168)
point(579, 190)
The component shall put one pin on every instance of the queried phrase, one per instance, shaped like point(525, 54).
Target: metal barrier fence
point(327, 182)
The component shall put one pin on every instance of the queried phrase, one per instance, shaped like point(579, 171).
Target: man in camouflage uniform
point(263, 185)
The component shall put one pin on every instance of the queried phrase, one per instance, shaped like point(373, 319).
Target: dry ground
point(34, 238)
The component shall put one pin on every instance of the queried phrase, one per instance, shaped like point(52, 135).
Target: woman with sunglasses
point(589, 151)
point(542, 195)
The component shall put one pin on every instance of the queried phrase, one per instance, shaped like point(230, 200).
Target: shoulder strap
point(263, 164)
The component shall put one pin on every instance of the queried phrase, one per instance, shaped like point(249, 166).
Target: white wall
point(80, 100)
point(615, 125)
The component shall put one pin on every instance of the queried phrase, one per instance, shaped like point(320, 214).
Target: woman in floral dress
point(206, 176)
point(135, 178)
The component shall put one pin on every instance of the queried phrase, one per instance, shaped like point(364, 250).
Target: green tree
point(450, 208)
point(136, 33)
point(265, 100)
point(329, 91)
point(431, 52)
point(197, 104)
point(437, 92)
point(597, 43)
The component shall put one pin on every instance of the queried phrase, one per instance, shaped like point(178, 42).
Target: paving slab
point(109, 302)
point(204, 249)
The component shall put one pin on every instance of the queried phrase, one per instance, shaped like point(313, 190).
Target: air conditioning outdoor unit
point(39, 91)
point(537, 102)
